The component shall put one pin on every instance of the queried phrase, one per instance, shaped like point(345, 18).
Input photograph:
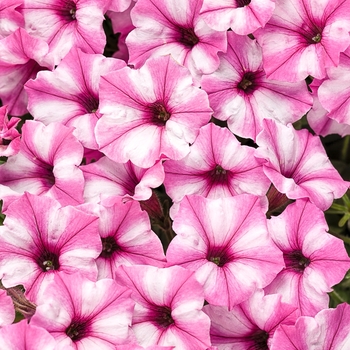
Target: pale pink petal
point(297, 164)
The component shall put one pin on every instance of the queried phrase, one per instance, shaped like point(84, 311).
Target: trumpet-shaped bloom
point(333, 93)
point(22, 335)
point(150, 113)
point(39, 238)
point(69, 94)
point(314, 259)
point(9, 136)
point(240, 93)
point(318, 117)
point(126, 238)
point(47, 163)
point(227, 243)
point(329, 329)
point(304, 38)
point(106, 178)
point(84, 314)
point(66, 23)
point(10, 18)
point(242, 16)
point(21, 58)
point(174, 27)
point(215, 169)
point(251, 324)
point(168, 308)
point(297, 164)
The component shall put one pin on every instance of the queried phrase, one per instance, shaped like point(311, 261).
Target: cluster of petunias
point(200, 101)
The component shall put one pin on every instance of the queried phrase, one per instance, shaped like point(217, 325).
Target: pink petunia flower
point(47, 163)
point(21, 58)
point(150, 113)
point(84, 314)
point(69, 94)
point(315, 260)
point(297, 164)
point(106, 178)
point(329, 329)
point(251, 324)
point(122, 24)
point(242, 16)
point(168, 308)
point(22, 335)
point(126, 237)
point(10, 18)
point(39, 238)
point(66, 23)
point(217, 166)
point(240, 93)
point(319, 118)
point(174, 27)
point(304, 38)
point(334, 92)
point(9, 136)
point(227, 243)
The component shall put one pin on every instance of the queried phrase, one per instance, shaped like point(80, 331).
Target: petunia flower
point(168, 308)
point(226, 242)
point(241, 16)
point(126, 236)
point(240, 93)
point(21, 58)
point(174, 27)
point(297, 164)
point(39, 238)
point(122, 24)
point(10, 18)
point(22, 335)
point(251, 324)
point(84, 314)
point(150, 113)
point(319, 118)
point(106, 178)
point(66, 23)
point(304, 38)
point(69, 94)
point(217, 166)
point(47, 163)
point(329, 329)
point(315, 260)
point(334, 92)
point(9, 136)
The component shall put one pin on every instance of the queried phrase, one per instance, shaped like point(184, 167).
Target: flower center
point(317, 38)
point(247, 83)
point(188, 37)
point(260, 338)
point(76, 330)
point(48, 261)
point(69, 10)
point(159, 113)
point(109, 247)
point(218, 174)
point(48, 174)
point(218, 256)
point(242, 3)
point(163, 317)
point(296, 260)
point(89, 102)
